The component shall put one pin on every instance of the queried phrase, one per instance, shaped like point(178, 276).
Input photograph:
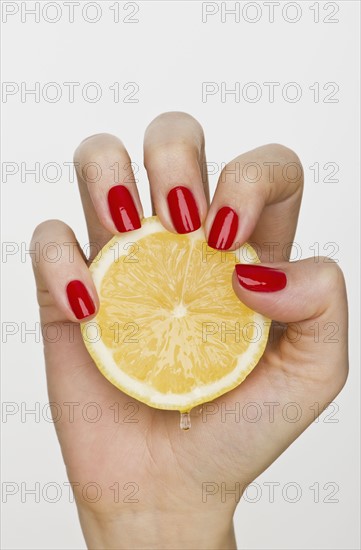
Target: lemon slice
point(170, 330)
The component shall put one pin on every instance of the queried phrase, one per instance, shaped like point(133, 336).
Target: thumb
point(309, 295)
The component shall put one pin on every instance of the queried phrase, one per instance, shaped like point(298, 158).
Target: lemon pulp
point(170, 330)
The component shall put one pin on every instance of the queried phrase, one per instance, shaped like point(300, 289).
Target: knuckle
point(179, 127)
point(50, 229)
point(44, 233)
point(332, 275)
point(176, 116)
point(332, 297)
point(46, 227)
point(287, 158)
point(334, 313)
point(173, 157)
point(285, 153)
point(97, 147)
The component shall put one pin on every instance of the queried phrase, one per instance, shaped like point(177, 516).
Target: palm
point(129, 449)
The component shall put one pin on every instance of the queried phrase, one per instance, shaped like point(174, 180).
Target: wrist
point(163, 530)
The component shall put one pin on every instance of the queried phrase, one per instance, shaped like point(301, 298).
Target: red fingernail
point(183, 209)
point(260, 278)
point(122, 209)
point(224, 229)
point(80, 300)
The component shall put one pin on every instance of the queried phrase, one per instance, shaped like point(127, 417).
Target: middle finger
point(174, 159)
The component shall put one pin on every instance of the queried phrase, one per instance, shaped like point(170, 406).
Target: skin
point(166, 465)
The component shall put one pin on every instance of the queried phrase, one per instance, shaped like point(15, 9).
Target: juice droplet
point(185, 420)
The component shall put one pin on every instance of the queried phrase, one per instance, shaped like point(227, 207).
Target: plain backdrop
point(162, 61)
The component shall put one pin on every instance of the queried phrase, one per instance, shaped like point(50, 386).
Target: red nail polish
point(122, 209)
point(80, 300)
point(224, 229)
point(259, 278)
point(183, 210)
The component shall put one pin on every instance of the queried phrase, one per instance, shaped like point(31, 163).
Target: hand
point(172, 474)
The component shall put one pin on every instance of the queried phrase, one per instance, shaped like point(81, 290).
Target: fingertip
point(183, 209)
point(123, 210)
point(82, 304)
point(259, 278)
point(223, 230)
point(263, 289)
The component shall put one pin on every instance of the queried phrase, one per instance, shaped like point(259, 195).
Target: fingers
point(174, 159)
point(309, 295)
point(257, 199)
point(64, 284)
point(107, 187)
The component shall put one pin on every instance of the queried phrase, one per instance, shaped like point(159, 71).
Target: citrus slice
point(170, 330)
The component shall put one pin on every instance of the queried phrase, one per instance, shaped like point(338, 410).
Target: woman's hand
point(139, 481)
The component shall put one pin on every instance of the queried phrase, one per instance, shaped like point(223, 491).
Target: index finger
point(257, 199)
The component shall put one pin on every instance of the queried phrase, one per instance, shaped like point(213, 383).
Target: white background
point(169, 53)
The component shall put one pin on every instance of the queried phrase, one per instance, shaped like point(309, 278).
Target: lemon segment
point(170, 330)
